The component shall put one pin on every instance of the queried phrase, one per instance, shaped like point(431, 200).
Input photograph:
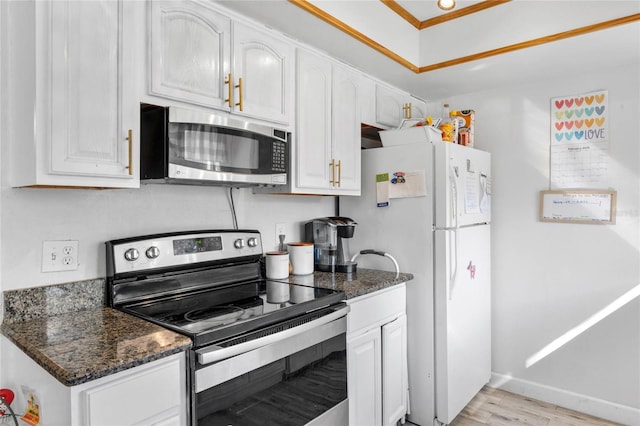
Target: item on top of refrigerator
point(445, 111)
point(410, 135)
point(447, 131)
point(410, 122)
point(467, 127)
point(449, 125)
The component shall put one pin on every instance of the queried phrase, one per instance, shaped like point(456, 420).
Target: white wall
point(550, 277)
point(92, 217)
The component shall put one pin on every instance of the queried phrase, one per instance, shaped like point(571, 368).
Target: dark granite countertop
point(82, 340)
point(364, 281)
point(77, 347)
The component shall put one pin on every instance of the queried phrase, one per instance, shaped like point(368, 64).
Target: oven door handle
point(215, 353)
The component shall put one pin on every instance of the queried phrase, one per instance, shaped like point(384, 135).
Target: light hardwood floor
point(500, 408)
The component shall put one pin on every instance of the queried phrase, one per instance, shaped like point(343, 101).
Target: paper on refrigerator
point(400, 184)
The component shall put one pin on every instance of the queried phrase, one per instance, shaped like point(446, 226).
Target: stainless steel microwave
point(179, 145)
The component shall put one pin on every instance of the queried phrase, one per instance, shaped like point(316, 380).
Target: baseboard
point(585, 404)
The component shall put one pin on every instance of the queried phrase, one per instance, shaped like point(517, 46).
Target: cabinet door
point(264, 65)
point(152, 394)
point(367, 95)
point(93, 101)
point(190, 49)
point(393, 106)
point(394, 371)
point(313, 122)
point(346, 130)
point(364, 378)
point(418, 108)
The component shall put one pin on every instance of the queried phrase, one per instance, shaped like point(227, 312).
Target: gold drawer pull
point(239, 86)
point(229, 83)
point(332, 164)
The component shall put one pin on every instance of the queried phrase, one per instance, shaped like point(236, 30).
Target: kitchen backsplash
point(37, 302)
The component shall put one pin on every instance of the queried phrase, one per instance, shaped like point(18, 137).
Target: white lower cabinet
point(151, 394)
point(377, 358)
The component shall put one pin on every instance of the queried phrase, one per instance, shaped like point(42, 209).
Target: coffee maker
point(330, 237)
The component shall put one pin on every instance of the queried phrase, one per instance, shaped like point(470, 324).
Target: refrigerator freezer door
point(463, 317)
point(462, 186)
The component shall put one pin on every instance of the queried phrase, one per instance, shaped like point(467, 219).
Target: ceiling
point(480, 44)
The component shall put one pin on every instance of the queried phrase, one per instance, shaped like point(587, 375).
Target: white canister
point(301, 257)
point(277, 264)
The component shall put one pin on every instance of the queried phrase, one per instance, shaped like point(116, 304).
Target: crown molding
point(321, 14)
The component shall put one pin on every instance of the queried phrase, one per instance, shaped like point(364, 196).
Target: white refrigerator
point(432, 213)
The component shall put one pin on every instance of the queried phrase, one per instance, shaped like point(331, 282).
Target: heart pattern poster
point(580, 141)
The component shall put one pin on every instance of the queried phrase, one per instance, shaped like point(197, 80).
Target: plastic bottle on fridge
point(448, 126)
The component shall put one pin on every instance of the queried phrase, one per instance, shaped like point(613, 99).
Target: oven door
point(291, 378)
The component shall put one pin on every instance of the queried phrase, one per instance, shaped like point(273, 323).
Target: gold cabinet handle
point(130, 139)
point(239, 86)
point(332, 164)
point(229, 83)
point(339, 165)
point(407, 110)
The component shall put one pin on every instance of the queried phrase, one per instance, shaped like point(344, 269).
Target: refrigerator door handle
point(453, 201)
point(453, 264)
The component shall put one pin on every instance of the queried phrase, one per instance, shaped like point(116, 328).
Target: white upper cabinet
point(83, 93)
point(190, 53)
point(392, 106)
point(327, 139)
point(313, 167)
point(263, 74)
point(194, 60)
point(346, 129)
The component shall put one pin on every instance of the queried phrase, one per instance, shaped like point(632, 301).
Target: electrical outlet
point(280, 230)
point(59, 255)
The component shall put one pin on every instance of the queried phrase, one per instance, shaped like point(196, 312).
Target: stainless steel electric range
point(264, 352)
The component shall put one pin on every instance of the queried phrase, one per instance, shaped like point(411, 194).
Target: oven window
point(213, 148)
point(288, 392)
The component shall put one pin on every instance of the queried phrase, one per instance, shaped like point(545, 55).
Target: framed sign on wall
point(590, 206)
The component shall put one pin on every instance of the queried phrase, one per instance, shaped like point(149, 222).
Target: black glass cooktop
point(216, 314)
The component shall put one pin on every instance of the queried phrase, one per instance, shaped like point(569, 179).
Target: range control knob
point(239, 243)
point(252, 242)
point(131, 254)
point(152, 252)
